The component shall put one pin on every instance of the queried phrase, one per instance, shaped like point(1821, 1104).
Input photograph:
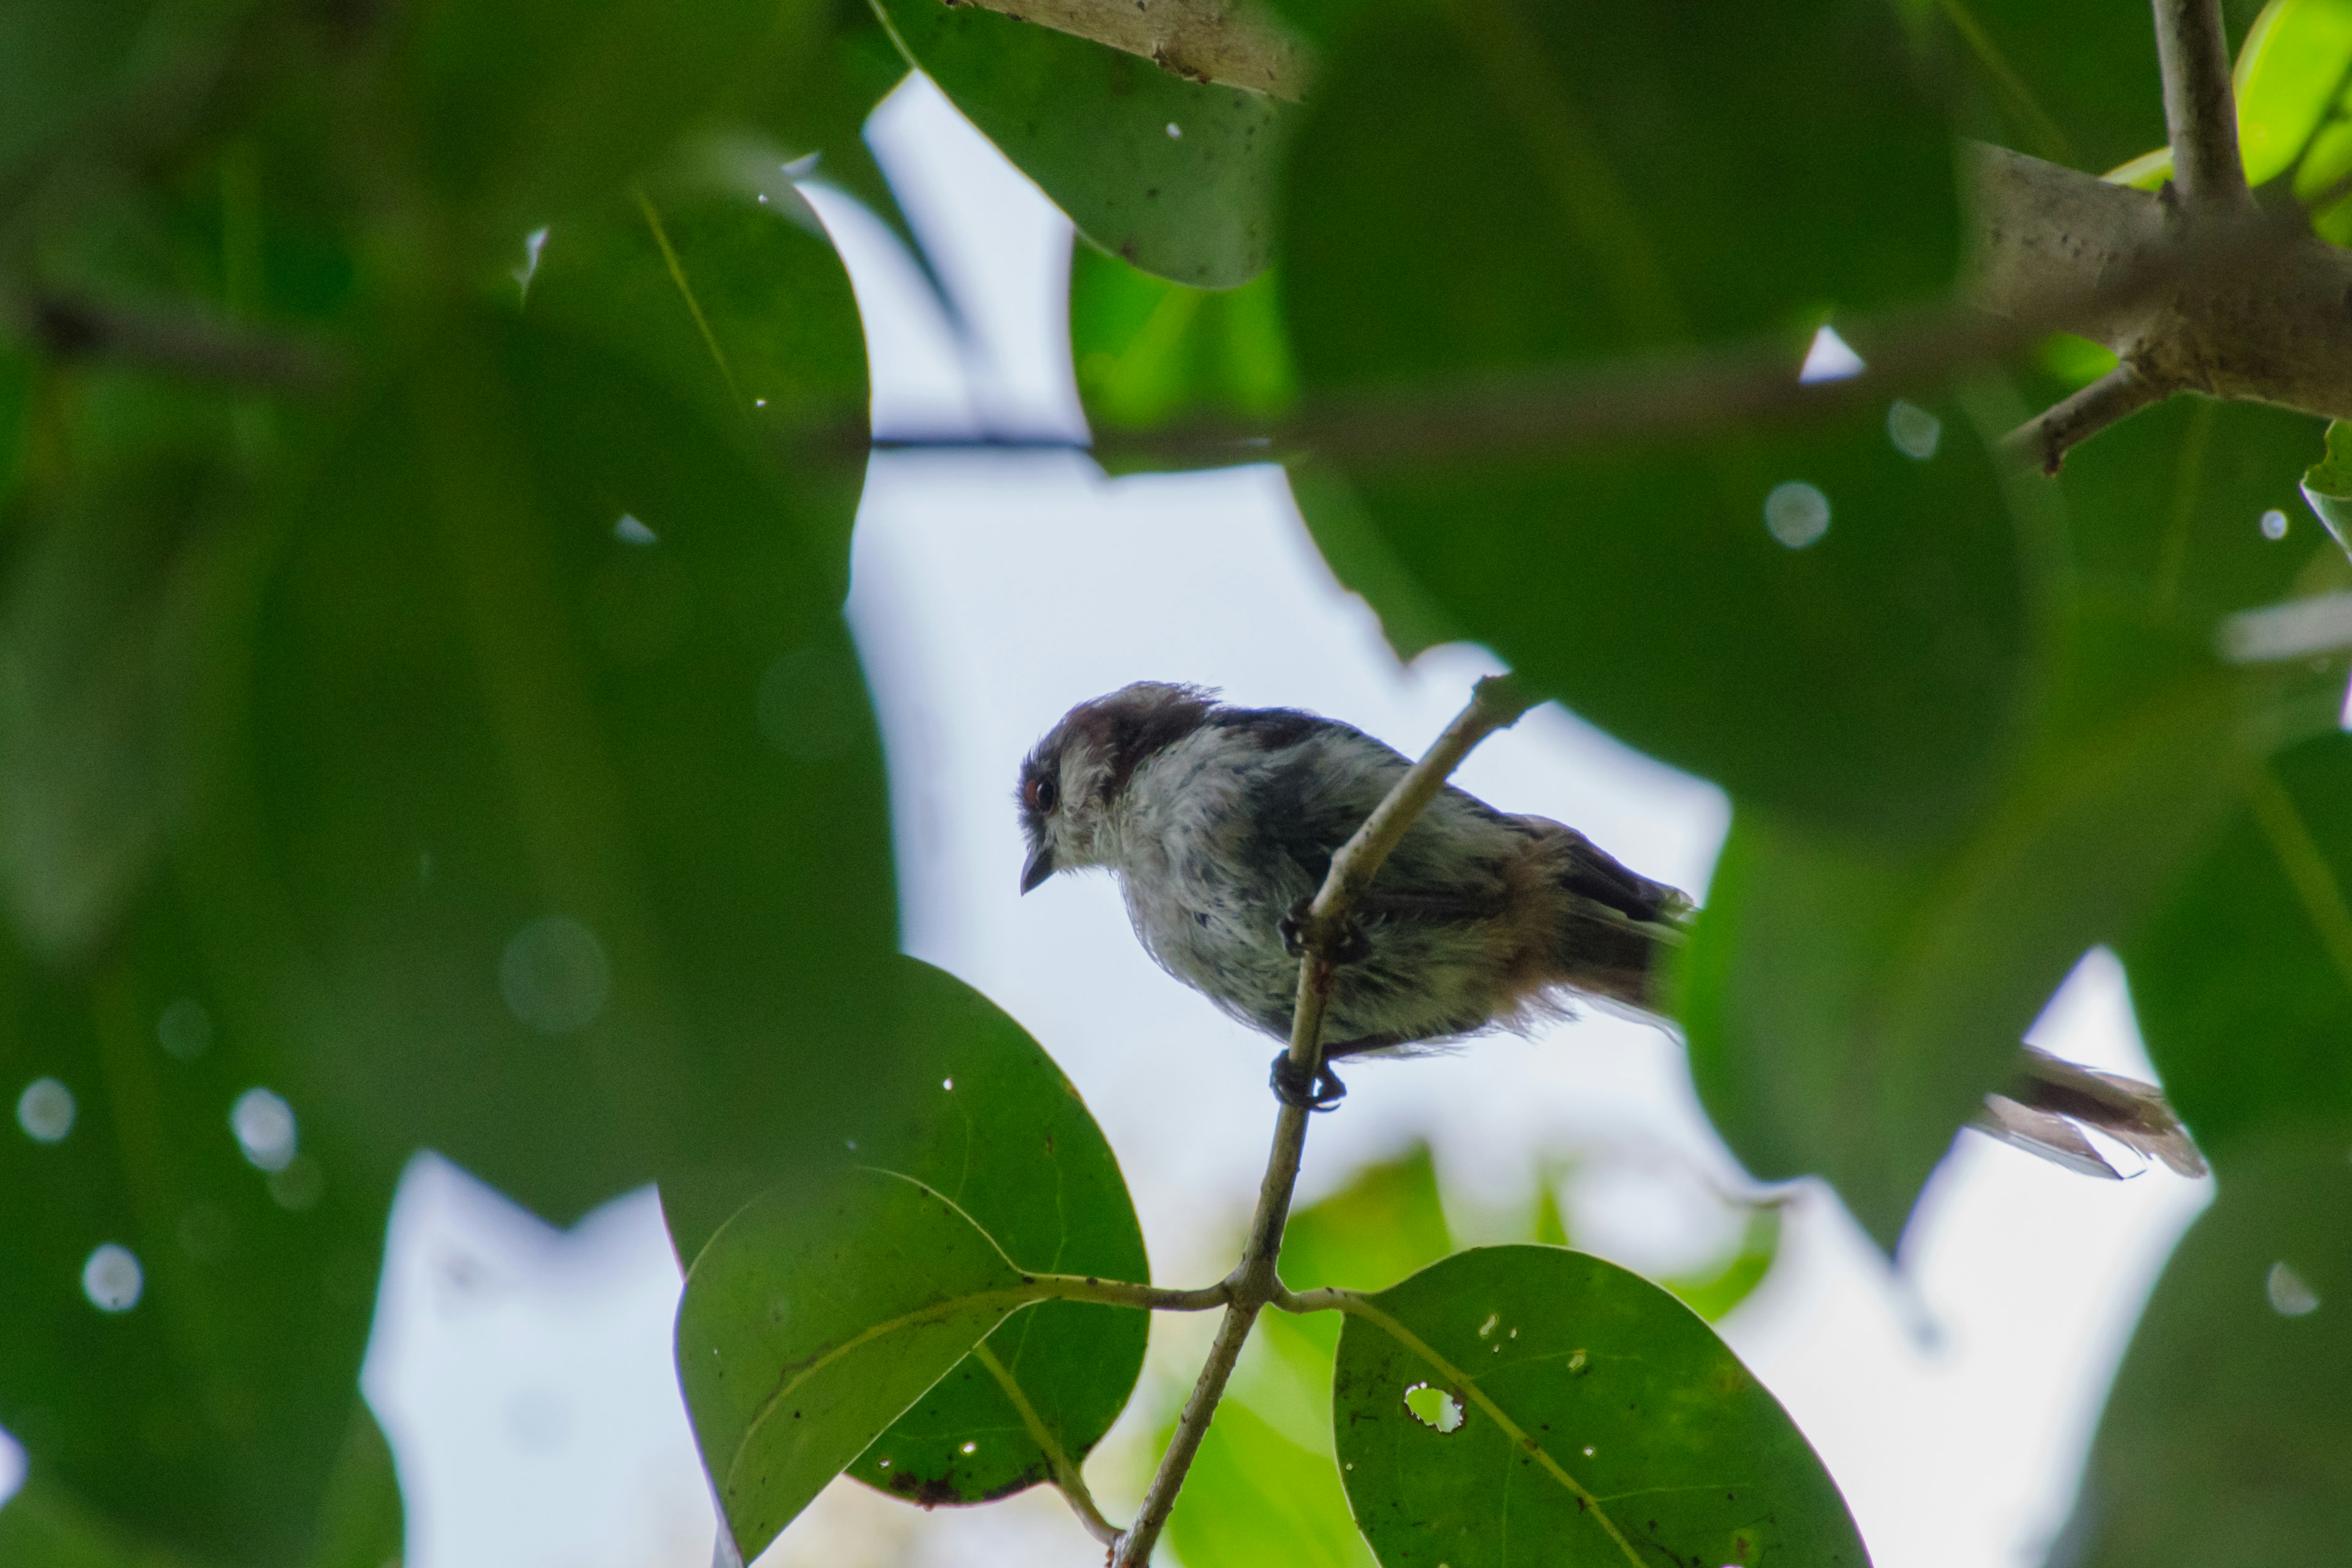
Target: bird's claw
point(1354, 946)
point(1319, 1090)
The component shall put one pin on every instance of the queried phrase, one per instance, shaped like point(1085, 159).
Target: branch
point(2200, 113)
point(1204, 41)
point(201, 348)
point(2043, 442)
point(1253, 1283)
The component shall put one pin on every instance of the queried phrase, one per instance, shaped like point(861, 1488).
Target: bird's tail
point(2045, 1107)
point(1617, 945)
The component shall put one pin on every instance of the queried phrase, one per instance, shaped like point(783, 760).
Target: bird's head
point(1074, 783)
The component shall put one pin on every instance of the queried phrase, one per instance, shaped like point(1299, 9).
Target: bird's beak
point(1039, 867)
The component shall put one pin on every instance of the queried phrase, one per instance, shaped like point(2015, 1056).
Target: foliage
point(427, 721)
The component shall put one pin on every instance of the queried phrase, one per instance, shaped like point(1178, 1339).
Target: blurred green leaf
point(1013, 1146)
point(2073, 84)
point(65, 62)
point(815, 101)
point(2243, 978)
point(2228, 1439)
point(526, 110)
point(735, 307)
point(1603, 192)
point(546, 695)
point(1254, 1499)
point(2328, 484)
point(1713, 1294)
point(815, 1317)
point(2294, 70)
point(187, 1267)
point(1265, 1487)
point(1148, 350)
point(1571, 1411)
point(1850, 1004)
point(1176, 176)
point(2166, 510)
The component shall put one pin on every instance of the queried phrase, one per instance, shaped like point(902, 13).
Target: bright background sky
point(523, 1375)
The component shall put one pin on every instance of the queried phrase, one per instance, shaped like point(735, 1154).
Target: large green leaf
point(1510, 189)
point(2243, 978)
point(1177, 176)
point(187, 1265)
point(562, 850)
point(524, 110)
point(1530, 1405)
point(1849, 1004)
point(813, 1319)
point(998, 1130)
point(2073, 84)
point(2228, 1439)
point(727, 294)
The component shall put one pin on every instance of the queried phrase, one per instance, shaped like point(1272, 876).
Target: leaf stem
point(1068, 1479)
point(1253, 1283)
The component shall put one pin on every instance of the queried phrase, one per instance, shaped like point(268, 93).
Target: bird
point(1220, 823)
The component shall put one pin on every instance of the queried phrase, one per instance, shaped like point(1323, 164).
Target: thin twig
point(2045, 440)
point(2200, 113)
point(1254, 1282)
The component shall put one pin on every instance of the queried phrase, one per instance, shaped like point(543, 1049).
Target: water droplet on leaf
point(2290, 1297)
point(111, 1279)
point(45, 1111)
point(1797, 513)
point(553, 975)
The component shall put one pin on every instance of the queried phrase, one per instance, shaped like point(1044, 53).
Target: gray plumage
point(1220, 821)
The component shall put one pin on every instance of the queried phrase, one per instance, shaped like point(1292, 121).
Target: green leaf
point(2294, 70)
point(1713, 1294)
point(2228, 1439)
point(813, 1319)
point(2073, 84)
point(527, 108)
point(736, 307)
point(1254, 1497)
point(1866, 673)
point(1849, 1004)
point(2169, 511)
point(2243, 978)
point(1176, 176)
point(1583, 1416)
point(1013, 1146)
point(1148, 350)
point(2328, 484)
point(61, 61)
point(182, 1311)
point(524, 851)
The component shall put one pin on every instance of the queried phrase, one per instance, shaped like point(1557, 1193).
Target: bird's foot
point(1319, 1090)
point(1354, 946)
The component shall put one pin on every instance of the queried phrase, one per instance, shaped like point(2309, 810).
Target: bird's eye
point(1042, 795)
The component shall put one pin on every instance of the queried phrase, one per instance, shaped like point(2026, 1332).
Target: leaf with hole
point(810, 1323)
point(1532, 1406)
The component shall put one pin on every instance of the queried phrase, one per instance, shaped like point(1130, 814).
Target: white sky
point(524, 1375)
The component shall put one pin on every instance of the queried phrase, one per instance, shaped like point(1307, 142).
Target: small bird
point(1221, 822)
